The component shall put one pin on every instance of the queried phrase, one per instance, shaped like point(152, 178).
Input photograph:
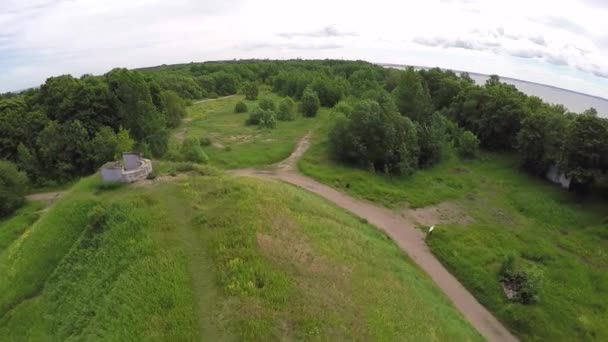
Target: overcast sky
point(560, 42)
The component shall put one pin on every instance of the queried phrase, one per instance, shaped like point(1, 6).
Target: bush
point(522, 282)
point(205, 141)
point(267, 104)
point(268, 119)
point(192, 151)
point(380, 140)
point(309, 105)
point(240, 107)
point(12, 188)
point(182, 167)
point(468, 145)
point(251, 91)
point(343, 108)
point(286, 109)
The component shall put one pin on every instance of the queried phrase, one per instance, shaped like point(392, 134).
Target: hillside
point(212, 257)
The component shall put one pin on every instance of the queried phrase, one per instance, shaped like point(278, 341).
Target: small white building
point(132, 169)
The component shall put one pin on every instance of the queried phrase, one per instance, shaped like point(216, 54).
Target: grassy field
point(212, 258)
point(511, 213)
point(235, 145)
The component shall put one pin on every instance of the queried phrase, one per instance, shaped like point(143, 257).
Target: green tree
point(104, 146)
point(328, 90)
point(12, 188)
point(584, 151)
point(412, 97)
point(431, 140)
point(309, 105)
point(540, 140)
point(379, 140)
point(250, 90)
point(124, 143)
point(174, 108)
point(266, 103)
point(468, 145)
point(18, 125)
point(287, 108)
point(64, 150)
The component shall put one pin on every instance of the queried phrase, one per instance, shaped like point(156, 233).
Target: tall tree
point(412, 97)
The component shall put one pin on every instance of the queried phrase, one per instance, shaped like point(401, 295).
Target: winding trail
point(401, 230)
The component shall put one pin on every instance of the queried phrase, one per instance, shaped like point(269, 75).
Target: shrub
point(240, 107)
point(97, 218)
point(251, 91)
point(468, 145)
point(286, 109)
point(182, 167)
point(205, 141)
point(254, 116)
point(12, 188)
point(192, 151)
point(309, 104)
point(522, 282)
point(263, 118)
point(378, 139)
point(267, 104)
point(268, 119)
point(343, 108)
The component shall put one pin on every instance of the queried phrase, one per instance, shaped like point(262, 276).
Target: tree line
point(389, 120)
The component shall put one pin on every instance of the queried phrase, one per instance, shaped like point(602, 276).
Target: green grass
point(235, 145)
point(213, 258)
point(293, 266)
point(16, 225)
point(90, 269)
point(512, 212)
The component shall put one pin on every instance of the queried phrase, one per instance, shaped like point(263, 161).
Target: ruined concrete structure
point(132, 169)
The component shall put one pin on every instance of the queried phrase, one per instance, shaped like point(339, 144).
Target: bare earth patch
point(241, 138)
point(443, 213)
point(180, 135)
point(47, 198)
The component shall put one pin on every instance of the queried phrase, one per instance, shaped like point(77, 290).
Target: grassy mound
point(213, 258)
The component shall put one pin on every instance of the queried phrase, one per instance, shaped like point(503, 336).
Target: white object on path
point(431, 229)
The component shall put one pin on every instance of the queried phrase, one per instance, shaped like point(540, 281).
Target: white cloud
point(40, 38)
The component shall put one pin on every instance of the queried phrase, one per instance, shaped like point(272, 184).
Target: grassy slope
point(512, 212)
point(236, 145)
point(68, 277)
point(214, 258)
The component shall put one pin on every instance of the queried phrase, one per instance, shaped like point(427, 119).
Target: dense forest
point(391, 121)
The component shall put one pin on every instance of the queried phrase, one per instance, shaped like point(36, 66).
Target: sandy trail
point(398, 228)
point(218, 98)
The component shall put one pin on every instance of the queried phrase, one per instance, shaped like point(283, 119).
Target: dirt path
point(219, 98)
point(401, 230)
point(47, 197)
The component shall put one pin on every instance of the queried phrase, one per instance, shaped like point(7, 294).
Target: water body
point(574, 101)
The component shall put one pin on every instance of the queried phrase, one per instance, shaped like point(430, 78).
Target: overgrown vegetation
point(12, 188)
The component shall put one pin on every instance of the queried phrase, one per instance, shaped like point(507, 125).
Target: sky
point(563, 43)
